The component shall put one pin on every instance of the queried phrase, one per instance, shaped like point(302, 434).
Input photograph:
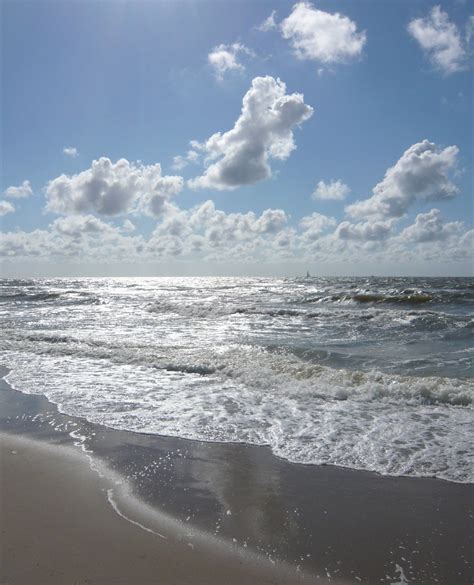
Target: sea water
point(367, 373)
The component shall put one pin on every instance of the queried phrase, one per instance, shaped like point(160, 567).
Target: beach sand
point(230, 513)
point(58, 526)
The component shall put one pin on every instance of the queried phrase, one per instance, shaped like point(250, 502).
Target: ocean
point(366, 373)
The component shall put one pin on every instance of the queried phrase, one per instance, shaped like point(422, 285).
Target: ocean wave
point(345, 317)
point(256, 367)
point(69, 297)
point(211, 310)
point(306, 413)
point(30, 297)
point(321, 370)
point(375, 298)
point(395, 297)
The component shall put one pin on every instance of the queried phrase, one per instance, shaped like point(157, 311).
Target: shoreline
point(341, 524)
point(3, 381)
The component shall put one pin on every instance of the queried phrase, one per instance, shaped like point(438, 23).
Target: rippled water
point(370, 373)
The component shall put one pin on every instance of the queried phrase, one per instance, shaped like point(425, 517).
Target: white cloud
point(269, 23)
point(76, 237)
point(429, 227)
point(22, 191)
point(421, 172)
point(77, 225)
point(207, 230)
point(26, 244)
point(335, 190)
point(90, 237)
point(220, 226)
point(369, 231)
point(71, 151)
point(112, 189)
point(192, 155)
point(322, 36)
point(6, 207)
point(315, 224)
point(263, 131)
point(271, 221)
point(179, 162)
point(225, 58)
point(440, 40)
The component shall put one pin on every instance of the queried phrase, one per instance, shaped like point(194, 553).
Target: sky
point(236, 138)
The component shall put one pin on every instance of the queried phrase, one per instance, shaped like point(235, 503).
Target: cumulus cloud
point(21, 192)
point(71, 151)
point(334, 190)
point(225, 58)
point(271, 221)
point(369, 231)
point(77, 225)
point(219, 226)
point(429, 227)
point(6, 207)
point(205, 229)
point(26, 244)
point(440, 40)
point(269, 23)
point(109, 188)
point(76, 237)
point(315, 224)
point(263, 131)
point(322, 36)
point(421, 172)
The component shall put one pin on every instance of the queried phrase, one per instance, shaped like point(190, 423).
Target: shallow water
point(372, 373)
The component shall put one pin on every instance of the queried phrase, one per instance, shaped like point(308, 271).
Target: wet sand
point(231, 513)
point(59, 527)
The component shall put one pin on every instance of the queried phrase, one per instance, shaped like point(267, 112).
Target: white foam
point(115, 506)
point(401, 578)
point(305, 413)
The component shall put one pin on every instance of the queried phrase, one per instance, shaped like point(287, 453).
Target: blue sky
point(365, 82)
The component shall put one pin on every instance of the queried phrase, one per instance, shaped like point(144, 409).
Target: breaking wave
point(369, 375)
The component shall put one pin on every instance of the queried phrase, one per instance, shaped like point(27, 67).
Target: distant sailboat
point(308, 275)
